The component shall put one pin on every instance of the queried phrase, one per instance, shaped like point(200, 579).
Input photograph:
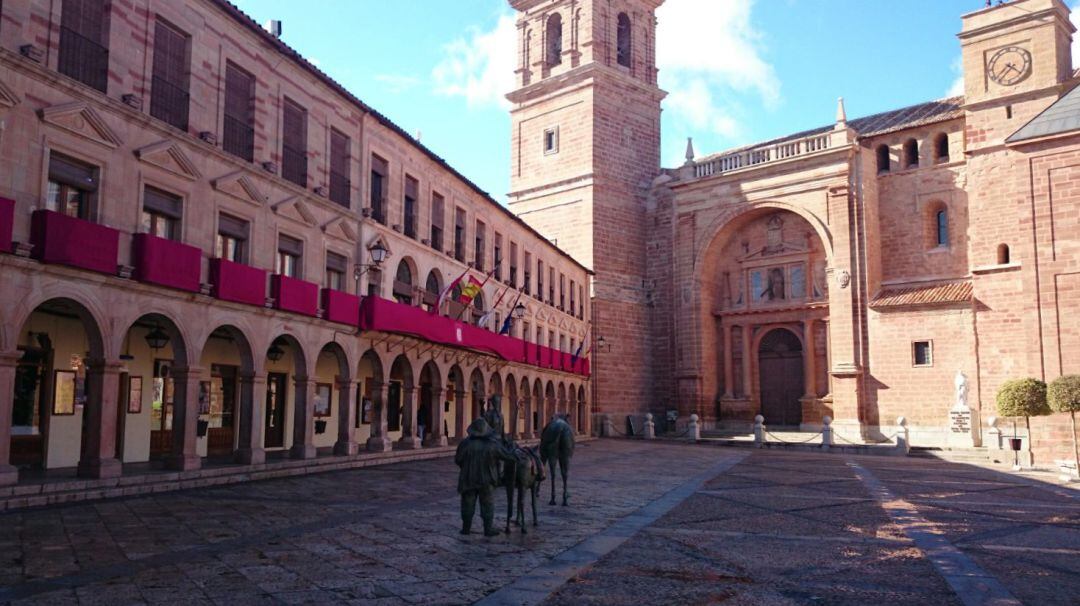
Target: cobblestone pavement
point(664, 523)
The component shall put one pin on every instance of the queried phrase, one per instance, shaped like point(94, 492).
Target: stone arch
point(779, 350)
point(239, 337)
point(624, 41)
point(562, 402)
point(733, 219)
point(941, 147)
point(344, 366)
point(553, 40)
point(539, 405)
point(478, 391)
point(85, 308)
point(911, 153)
point(883, 159)
point(433, 286)
point(180, 338)
point(430, 414)
point(937, 224)
point(583, 410)
point(405, 280)
point(456, 376)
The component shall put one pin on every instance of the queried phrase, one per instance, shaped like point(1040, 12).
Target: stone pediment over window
point(296, 209)
point(168, 155)
point(339, 227)
point(240, 186)
point(783, 249)
point(8, 98)
point(80, 119)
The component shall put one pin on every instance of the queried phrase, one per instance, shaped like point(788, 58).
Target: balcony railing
point(297, 296)
point(294, 165)
point(340, 189)
point(83, 59)
point(64, 240)
point(237, 282)
point(166, 263)
point(238, 138)
point(340, 307)
point(169, 103)
point(761, 155)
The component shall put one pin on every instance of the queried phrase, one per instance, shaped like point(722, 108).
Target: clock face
point(1009, 66)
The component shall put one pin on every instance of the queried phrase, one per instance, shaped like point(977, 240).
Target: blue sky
point(737, 71)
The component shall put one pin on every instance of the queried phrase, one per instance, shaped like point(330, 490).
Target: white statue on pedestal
point(961, 389)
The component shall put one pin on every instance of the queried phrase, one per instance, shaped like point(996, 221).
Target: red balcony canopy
point(58, 238)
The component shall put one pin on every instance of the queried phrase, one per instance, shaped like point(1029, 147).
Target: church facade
point(864, 271)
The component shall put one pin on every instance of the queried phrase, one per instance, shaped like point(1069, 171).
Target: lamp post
point(519, 311)
point(157, 338)
point(275, 352)
point(378, 252)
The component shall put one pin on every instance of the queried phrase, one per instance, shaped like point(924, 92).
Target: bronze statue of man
point(478, 456)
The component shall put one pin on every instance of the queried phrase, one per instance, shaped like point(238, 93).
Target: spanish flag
point(469, 289)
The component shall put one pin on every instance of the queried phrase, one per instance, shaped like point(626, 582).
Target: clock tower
point(585, 149)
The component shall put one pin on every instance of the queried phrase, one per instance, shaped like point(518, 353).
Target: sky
point(736, 71)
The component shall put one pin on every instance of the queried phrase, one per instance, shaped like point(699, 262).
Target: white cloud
point(397, 83)
point(480, 67)
point(957, 87)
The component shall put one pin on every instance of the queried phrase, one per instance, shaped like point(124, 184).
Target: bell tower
point(585, 148)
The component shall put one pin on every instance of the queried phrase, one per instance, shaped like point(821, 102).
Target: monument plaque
point(964, 430)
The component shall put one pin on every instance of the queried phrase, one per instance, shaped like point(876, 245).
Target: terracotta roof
point(932, 294)
point(275, 42)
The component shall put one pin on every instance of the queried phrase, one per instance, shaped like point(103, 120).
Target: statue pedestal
point(964, 430)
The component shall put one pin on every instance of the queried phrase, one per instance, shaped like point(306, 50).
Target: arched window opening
point(624, 41)
point(478, 308)
point(882, 159)
point(403, 283)
point(941, 147)
point(911, 153)
point(432, 290)
point(942, 223)
point(554, 40)
point(1003, 257)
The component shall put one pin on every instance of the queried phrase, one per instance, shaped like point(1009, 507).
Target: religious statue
point(478, 458)
point(961, 389)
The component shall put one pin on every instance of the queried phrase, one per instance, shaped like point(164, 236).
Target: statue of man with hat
point(478, 456)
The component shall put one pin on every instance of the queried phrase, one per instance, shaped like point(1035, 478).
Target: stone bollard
point(650, 427)
point(695, 429)
point(996, 443)
point(826, 432)
point(759, 431)
point(903, 443)
point(609, 427)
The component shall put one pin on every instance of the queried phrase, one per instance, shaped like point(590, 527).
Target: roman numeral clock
point(1009, 66)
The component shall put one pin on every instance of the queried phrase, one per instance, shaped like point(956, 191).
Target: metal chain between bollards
point(783, 441)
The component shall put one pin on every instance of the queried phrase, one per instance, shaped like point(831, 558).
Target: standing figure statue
point(961, 389)
point(525, 474)
point(478, 456)
point(557, 442)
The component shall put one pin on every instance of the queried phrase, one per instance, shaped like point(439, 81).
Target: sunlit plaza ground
point(648, 523)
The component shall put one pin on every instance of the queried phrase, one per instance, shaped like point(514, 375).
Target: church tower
point(585, 149)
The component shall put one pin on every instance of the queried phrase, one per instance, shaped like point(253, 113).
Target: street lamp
point(378, 252)
point(519, 311)
point(157, 338)
point(275, 352)
point(602, 344)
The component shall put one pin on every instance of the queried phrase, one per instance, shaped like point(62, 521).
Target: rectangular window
point(551, 141)
point(478, 252)
point(72, 187)
point(379, 171)
point(922, 353)
point(340, 183)
point(459, 234)
point(374, 287)
point(336, 266)
point(539, 335)
point(161, 214)
point(573, 301)
point(526, 277)
point(497, 259)
point(581, 297)
point(526, 332)
point(84, 33)
point(551, 339)
point(238, 134)
point(512, 278)
point(294, 143)
point(290, 254)
point(539, 280)
point(438, 212)
point(562, 292)
point(551, 286)
point(412, 193)
point(231, 239)
point(169, 100)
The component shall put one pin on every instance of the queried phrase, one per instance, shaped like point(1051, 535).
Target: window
point(84, 53)
point(294, 143)
point(432, 290)
point(403, 283)
point(379, 171)
point(554, 40)
point(1003, 257)
point(942, 223)
point(581, 297)
point(551, 339)
point(161, 214)
point(551, 286)
point(497, 259)
point(238, 136)
point(412, 192)
point(573, 303)
point(539, 335)
point(232, 239)
point(290, 252)
point(551, 141)
point(340, 183)
point(459, 234)
point(882, 159)
point(169, 86)
point(72, 187)
point(526, 331)
point(1008, 112)
point(478, 252)
point(922, 353)
point(911, 153)
point(374, 286)
point(336, 267)
point(478, 308)
point(941, 147)
point(562, 292)
point(527, 277)
point(539, 280)
point(624, 45)
point(438, 211)
point(512, 278)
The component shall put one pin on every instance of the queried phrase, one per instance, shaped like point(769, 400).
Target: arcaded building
point(208, 248)
point(850, 271)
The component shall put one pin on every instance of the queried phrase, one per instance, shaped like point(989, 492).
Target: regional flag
point(469, 290)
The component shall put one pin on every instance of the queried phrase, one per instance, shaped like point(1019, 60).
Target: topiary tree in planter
point(1063, 395)
point(1022, 398)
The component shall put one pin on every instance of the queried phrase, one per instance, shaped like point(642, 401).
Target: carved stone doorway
point(780, 376)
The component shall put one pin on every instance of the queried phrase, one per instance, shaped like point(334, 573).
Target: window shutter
point(378, 165)
point(238, 94)
point(170, 54)
point(336, 262)
point(339, 153)
point(72, 172)
point(232, 227)
point(162, 202)
point(294, 126)
point(437, 210)
point(412, 188)
point(290, 246)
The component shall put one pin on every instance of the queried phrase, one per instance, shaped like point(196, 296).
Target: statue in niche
point(774, 236)
point(774, 288)
point(821, 283)
point(961, 389)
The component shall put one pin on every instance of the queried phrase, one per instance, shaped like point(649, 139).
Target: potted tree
point(1022, 398)
point(1063, 395)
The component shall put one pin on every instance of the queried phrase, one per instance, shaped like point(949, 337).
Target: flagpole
point(486, 278)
